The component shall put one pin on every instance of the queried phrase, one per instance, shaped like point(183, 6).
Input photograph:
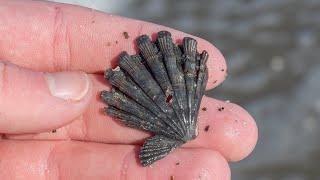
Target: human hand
point(51, 75)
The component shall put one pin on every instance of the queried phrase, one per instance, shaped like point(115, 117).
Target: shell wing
point(157, 147)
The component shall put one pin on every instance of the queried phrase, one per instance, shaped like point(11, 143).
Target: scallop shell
point(159, 91)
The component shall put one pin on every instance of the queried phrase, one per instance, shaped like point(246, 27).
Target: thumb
point(35, 101)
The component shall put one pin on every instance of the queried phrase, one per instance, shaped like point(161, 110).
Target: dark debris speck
point(169, 99)
point(204, 109)
point(177, 163)
point(221, 109)
point(54, 131)
point(126, 35)
point(206, 129)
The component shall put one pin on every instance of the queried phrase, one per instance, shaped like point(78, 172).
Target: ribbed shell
point(159, 91)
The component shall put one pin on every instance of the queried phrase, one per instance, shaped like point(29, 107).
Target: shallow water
point(273, 55)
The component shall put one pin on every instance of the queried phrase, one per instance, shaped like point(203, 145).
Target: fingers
point(226, 128)
point(36, 102)
point(51, 37)
point(79, 160)
point(223, 127)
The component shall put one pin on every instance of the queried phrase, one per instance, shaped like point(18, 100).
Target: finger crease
point(124, 165)
point(141, 25)
point(52, 170)
point(61, 42)
point(3, 72)
point(85, 127)
point(68, 60)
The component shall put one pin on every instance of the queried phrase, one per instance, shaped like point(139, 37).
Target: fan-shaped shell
point(159, 90)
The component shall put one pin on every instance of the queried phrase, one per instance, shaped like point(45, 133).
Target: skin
point(38, 37)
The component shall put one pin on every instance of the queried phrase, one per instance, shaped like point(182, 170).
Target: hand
point(51, 74)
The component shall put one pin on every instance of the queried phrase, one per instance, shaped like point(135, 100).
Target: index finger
point(48, 36)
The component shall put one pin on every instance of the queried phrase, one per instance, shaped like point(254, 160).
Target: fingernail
point(68, 85)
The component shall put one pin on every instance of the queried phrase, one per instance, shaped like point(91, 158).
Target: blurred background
point(272, 50)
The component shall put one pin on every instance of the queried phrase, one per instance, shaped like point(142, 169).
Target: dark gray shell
point(159, 91)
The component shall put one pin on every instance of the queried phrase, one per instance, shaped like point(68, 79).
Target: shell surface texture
point(158, 90)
